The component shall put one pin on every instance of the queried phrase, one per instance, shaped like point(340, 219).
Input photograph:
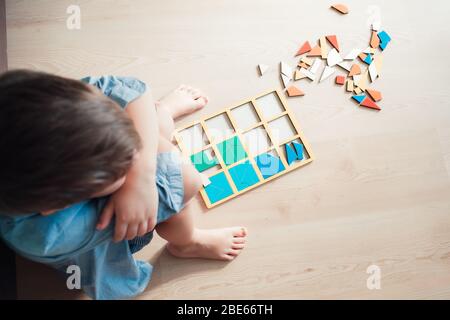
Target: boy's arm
point(135, 204)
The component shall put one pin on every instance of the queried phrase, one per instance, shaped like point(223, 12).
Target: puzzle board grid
point(238, 167)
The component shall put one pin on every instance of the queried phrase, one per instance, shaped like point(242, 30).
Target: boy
point(72, 159)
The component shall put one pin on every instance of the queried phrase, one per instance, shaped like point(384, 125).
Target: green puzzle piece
point(231, 150)
point(202, 161)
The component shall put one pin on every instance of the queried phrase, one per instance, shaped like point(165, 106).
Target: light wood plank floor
point(379, 191)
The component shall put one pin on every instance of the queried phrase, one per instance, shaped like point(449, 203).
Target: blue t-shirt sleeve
point(69, 237)
point(122, 90)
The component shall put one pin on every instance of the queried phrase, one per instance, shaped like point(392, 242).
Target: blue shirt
point(69, 236)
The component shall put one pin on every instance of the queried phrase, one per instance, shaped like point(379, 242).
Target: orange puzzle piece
point(306, 47)
point(315, 52)
point(332, 39)
point(293, 91)
point(374, 94)
point(340, 80)
point(374, 40)
point(342, 8)
point(368, 103)
point(354, 70)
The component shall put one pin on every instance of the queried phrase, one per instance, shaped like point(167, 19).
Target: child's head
point(61, 142)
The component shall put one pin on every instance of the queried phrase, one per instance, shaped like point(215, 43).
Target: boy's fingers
point(151, 223)
point(106, 216)
point(132, 231)
point(142, 228)
point(201, 102)
point(120, 231)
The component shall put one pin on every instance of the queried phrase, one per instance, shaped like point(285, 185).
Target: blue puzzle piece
point(290, 153)
point(219, 188)
point(359, 98)
point(269, 165)
point(298, 149)
point(243, 175)
point(368, 59)
point(384, 39)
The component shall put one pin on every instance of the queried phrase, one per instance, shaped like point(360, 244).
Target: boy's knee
point(192, 182)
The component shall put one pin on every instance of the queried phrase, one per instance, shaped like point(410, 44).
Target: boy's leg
point(184, 239)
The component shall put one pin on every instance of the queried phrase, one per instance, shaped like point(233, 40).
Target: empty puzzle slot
point(270, 105)
point(204, 160)
point(245, 116)
point(193, 138)
point(219, 127)
point(269, 163)
point(282, 129)
point(257, 140)
point(294, 151)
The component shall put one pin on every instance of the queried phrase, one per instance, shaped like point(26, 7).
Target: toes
point(182, 87)
point(239, 240)
point(200, 103)
point(196, 93)
point(227, 257)
point(238, 246)
point(234, 252)
point(241, 232)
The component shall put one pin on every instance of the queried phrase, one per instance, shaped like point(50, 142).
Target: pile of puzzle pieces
point(327, 49)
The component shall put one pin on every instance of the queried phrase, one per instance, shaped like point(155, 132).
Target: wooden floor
point(379, 191)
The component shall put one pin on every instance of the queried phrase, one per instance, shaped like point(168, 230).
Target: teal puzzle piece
point(298, 149)
point(219, 188)
point(359, 98)
point(269, 165)
point(243, 175)
point(290, 154)
point(231, 150)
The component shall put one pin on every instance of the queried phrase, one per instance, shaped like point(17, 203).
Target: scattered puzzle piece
point(349, 85)
point(368, 59)
point(374, 94)
point(327, 72)
point(306, 47)
point(376, 25)
point(354, 70)
point(285, 79)
point(205, 180)
point(384, 39)
point(378, 61)
point(357, 90)
point(311, 76)
point(315, 66)
point(332, 39)
point(333, 58)
point(299, 75)
point(315, 52)
point(307, 60)
point(359, 98)
point(323, 47)
point(344, 65)
point(303, 65)
point(352, 54)
point(293, 91)
point(262, 69)
point(340, 80)
point(373, 72)
point(286, 69)
point(374, 40)
point(342, 8)
point(368, 103)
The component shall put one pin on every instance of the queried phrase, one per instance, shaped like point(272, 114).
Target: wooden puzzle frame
point(277, 147)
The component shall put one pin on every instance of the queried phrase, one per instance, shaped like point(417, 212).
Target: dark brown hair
point(61, 141)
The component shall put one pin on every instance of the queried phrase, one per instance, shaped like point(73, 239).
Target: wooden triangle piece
point(341, 8)
point(374, 40)
point(299, 75)
point(368, 103)
point(354, 70)
point(323, 47)
point(332, 39)
point(262, 68)
point(286, 69)
point(315, 52)
point(374, 94)
point(306, 47)
point(285, 79)
point(293, 91)
point(349, 85)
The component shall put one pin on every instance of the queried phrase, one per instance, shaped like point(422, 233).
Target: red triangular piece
point(306, 47)
point(293, 91)
point(333, 41)
point(367, 102)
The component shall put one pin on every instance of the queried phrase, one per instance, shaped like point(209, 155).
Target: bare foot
point(183, 100)
point(220, 244)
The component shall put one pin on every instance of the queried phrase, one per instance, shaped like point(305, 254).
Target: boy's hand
point(135, 205)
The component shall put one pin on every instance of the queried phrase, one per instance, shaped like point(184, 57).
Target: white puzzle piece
point(327, 72)
point(352, 54)
point(262, 68)
point(286, 69)
point(333, 57)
